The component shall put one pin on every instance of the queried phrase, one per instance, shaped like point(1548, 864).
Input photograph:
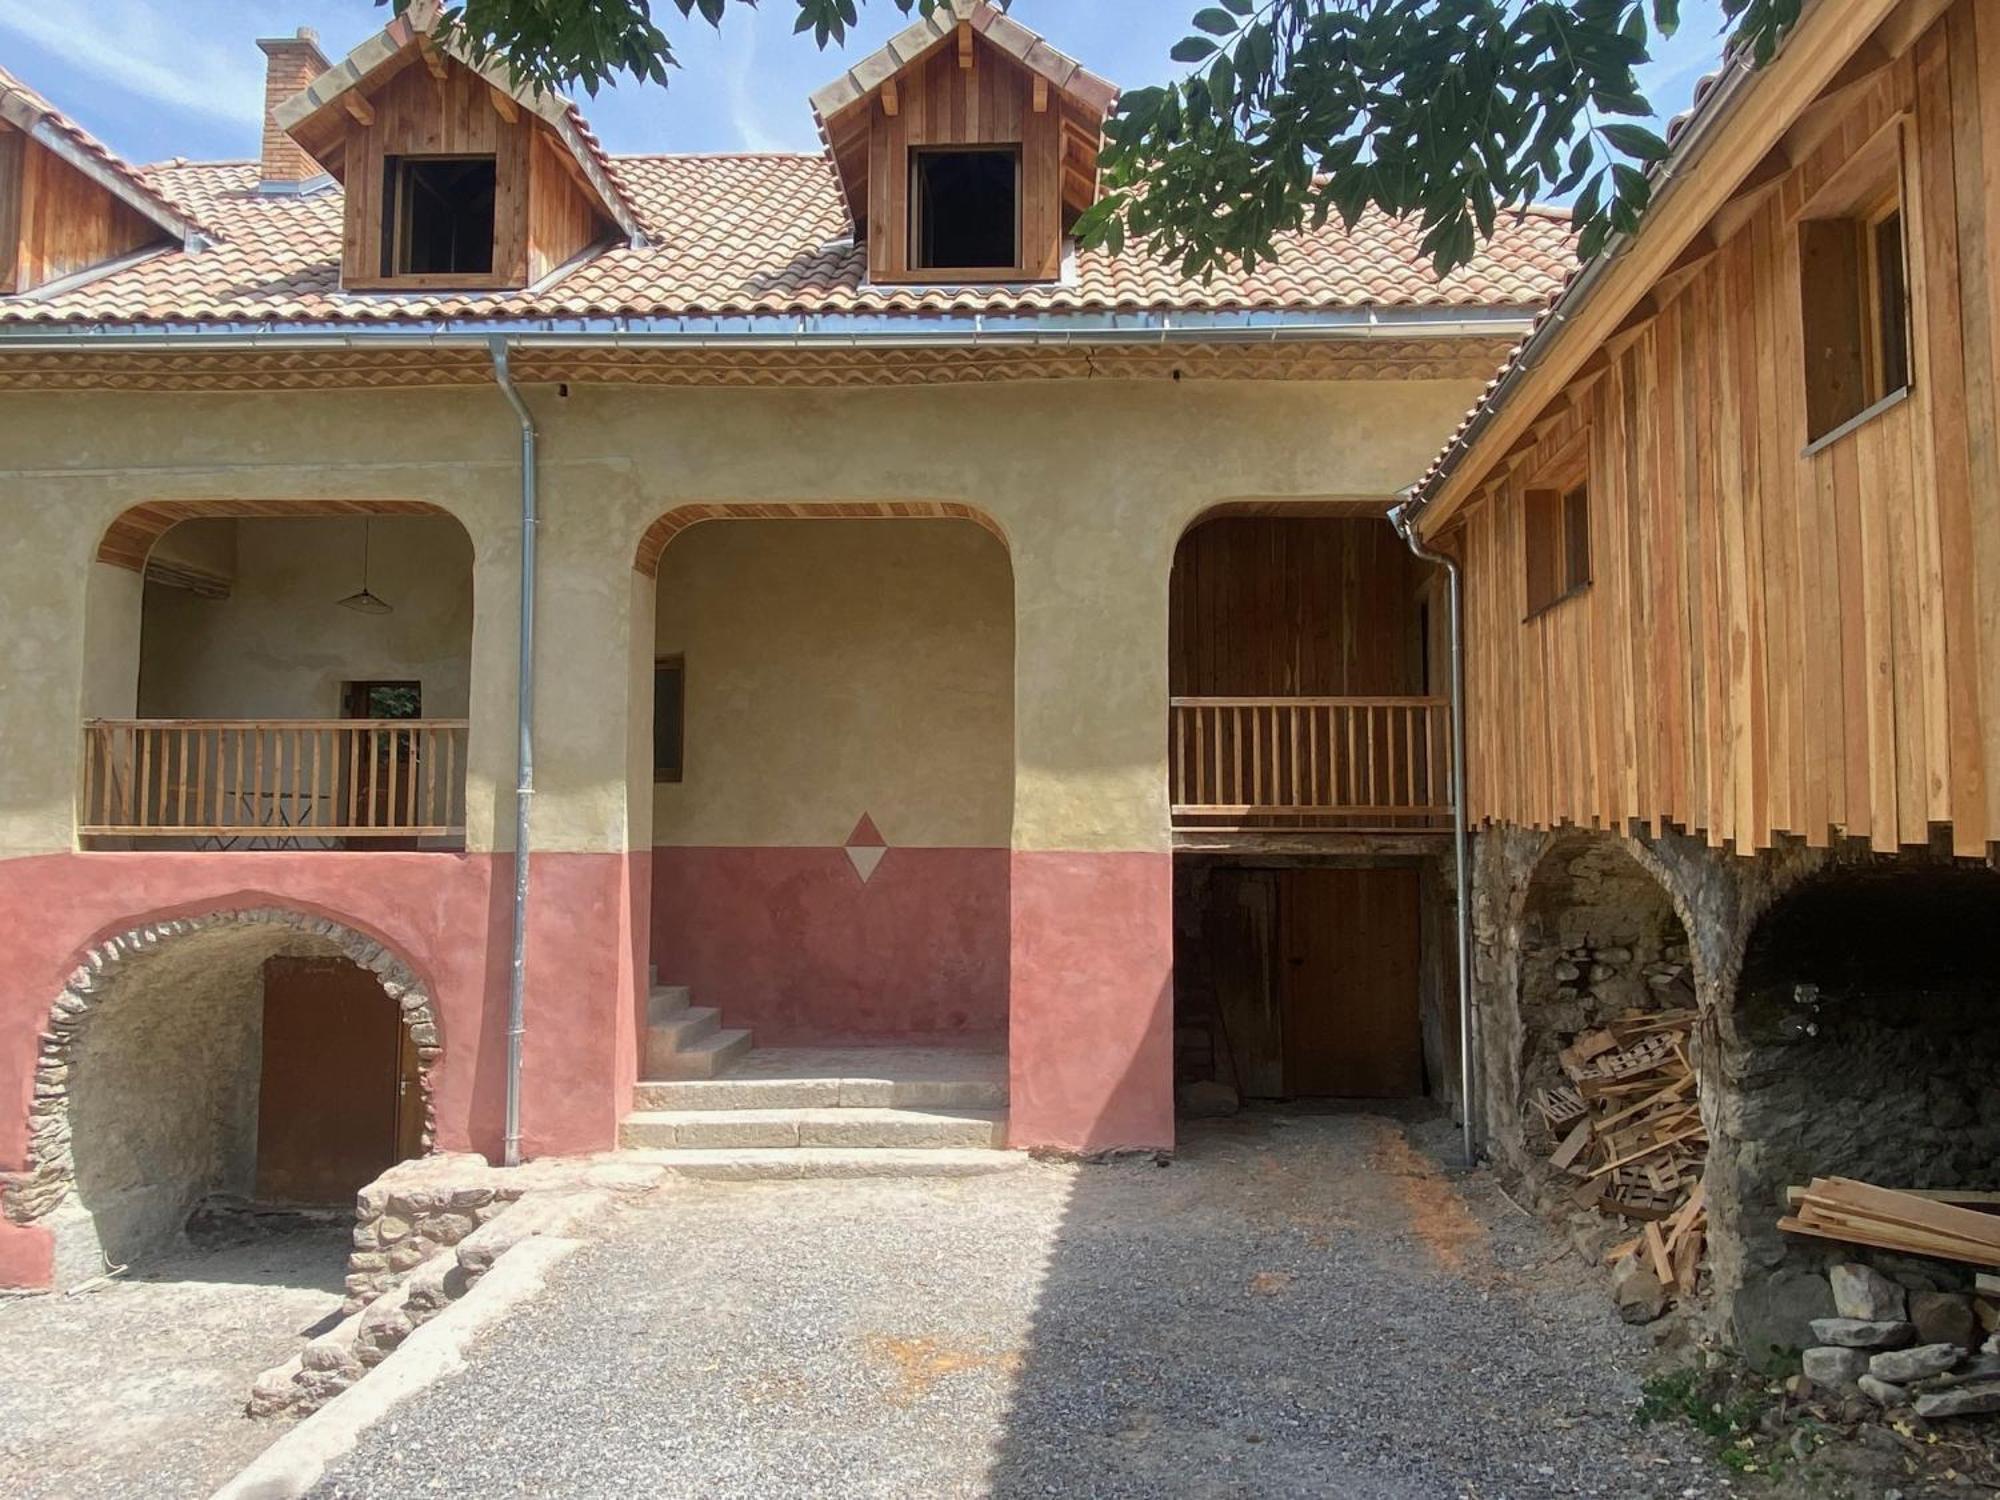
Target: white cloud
point(143, 49)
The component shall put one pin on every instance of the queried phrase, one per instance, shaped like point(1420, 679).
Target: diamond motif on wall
point(865, 847)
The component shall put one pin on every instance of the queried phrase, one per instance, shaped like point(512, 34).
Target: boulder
point(1640, 1296)
point(1864, 1295)
point(1880, 1391)
point(1973, 1400)
point(1943, 1318)
point(1835, 1369)
point(1861, 1333)
point(1901, 1366)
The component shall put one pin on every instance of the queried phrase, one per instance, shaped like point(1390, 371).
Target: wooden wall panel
point(940, 103)
point(562, 221)
point(56, 221)
point(415, 114)
point(1777, 640)
point(1309, 607)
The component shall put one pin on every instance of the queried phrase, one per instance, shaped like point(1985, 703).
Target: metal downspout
point(1461, 836)
point(524, 785)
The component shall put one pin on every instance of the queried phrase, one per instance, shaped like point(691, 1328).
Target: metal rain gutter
point(835, 330)
point(524, 786)
point(1400, 517)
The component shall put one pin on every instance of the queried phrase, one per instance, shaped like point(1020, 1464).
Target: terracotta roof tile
point(732, 235)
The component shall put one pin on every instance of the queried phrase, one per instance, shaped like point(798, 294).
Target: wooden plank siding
point(55, 222)
point(1778, 639)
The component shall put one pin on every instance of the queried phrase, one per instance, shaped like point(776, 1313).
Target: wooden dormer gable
point(454, 179)
point(964, 122)
point(67, 205)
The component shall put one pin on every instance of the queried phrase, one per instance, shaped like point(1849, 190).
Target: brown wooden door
point(1351, 944)
point(338, 1068)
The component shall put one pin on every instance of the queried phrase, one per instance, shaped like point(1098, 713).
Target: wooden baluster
point(374, 802)
point(410, 759)
point(1292, 716)
point(452, 800)
point(202, 816)
point(275, 734)
point(145, 776)
point(1256, 797)
point(353, 738)
point(430, 739)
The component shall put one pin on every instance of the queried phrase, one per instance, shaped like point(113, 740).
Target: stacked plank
point(1916, 1223)
point(1629, 1126)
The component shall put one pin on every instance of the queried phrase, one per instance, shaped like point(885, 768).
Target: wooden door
point(1351, 943)
point(337, 1068)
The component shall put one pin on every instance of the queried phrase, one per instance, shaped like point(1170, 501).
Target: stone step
point(680, 1033)
point(777, 1129)
point(737, 1092)
point(797, 1163)
point(666, 1001)
point(705, 1057)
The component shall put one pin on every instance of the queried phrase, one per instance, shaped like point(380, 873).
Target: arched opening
point(257, 1056)
point(1865, 1044)
point(1606, 1017)
point(832, 798)
point(1308, 781)
point(283, 675)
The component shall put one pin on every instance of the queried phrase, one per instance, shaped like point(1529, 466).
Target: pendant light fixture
point(365, 601)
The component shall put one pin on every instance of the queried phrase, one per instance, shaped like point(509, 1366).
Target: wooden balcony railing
point(1355, 765)
point(274, 783)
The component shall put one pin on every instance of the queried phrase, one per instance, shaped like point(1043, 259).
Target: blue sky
point(155, 83)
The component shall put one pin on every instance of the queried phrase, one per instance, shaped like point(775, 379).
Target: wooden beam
point(1900, 32)
point(432, 58)
point(965, 44)
point(1757, 184)
point(1041, 95)
point(362, 111)
point(1826, 112)
point(504, 105)
point(892, 101)
point(1700, 250)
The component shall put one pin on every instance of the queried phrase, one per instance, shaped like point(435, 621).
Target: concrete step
point(778, 1129)
point(666, 1001)
point(739, 1092)
point(798, 1163)
point(666, 1039)
point(706, 1056)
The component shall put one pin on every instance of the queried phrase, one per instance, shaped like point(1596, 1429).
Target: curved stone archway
point(51, 1175)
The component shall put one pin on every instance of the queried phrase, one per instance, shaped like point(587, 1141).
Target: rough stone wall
point(1894, 1085)
point(413, 1211)
point(145, 1091)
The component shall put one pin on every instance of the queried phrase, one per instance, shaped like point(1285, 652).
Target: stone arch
point(1578, 926)
point(50, 1177)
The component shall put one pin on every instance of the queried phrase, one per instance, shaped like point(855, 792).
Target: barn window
point(438, 215)
point(965, 209)
point(1854, 294)
point(1556, 521)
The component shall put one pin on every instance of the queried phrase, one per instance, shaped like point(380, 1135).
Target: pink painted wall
point(1091, 1045)
point(793, 944)
point(446, 916)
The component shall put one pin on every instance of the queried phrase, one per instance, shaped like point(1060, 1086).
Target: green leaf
point(1635, 140)
point(1215, 21)
point(1192, 49)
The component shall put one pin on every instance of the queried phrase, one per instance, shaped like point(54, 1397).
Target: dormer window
point(965, 209)
point(439, 215)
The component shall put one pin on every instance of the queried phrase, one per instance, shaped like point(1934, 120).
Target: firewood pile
point(1630, 1132)
point(1936, 1222)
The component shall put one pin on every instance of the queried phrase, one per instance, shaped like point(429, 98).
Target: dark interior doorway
point(340, 1100)
point(1302, 981)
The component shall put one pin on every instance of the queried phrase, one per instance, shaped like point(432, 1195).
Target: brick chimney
point(292, 62)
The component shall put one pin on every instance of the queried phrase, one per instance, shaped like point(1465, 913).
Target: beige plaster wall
point(280, 645)
point(1092, 483)
point(836, 668)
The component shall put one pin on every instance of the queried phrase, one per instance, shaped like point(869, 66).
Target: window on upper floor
point(1556, 526)
point(1854, 297)
point(965, 209)
point(438, 215)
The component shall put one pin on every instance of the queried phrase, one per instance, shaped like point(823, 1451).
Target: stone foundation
point(1850, 1026)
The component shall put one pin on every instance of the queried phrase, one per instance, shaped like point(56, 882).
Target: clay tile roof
point(758, 234)
point(33, 115)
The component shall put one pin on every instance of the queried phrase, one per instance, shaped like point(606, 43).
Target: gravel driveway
point(136, 1389)
point(1297, 1306)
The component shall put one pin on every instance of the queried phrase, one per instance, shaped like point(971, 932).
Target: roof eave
point(1740, 121)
